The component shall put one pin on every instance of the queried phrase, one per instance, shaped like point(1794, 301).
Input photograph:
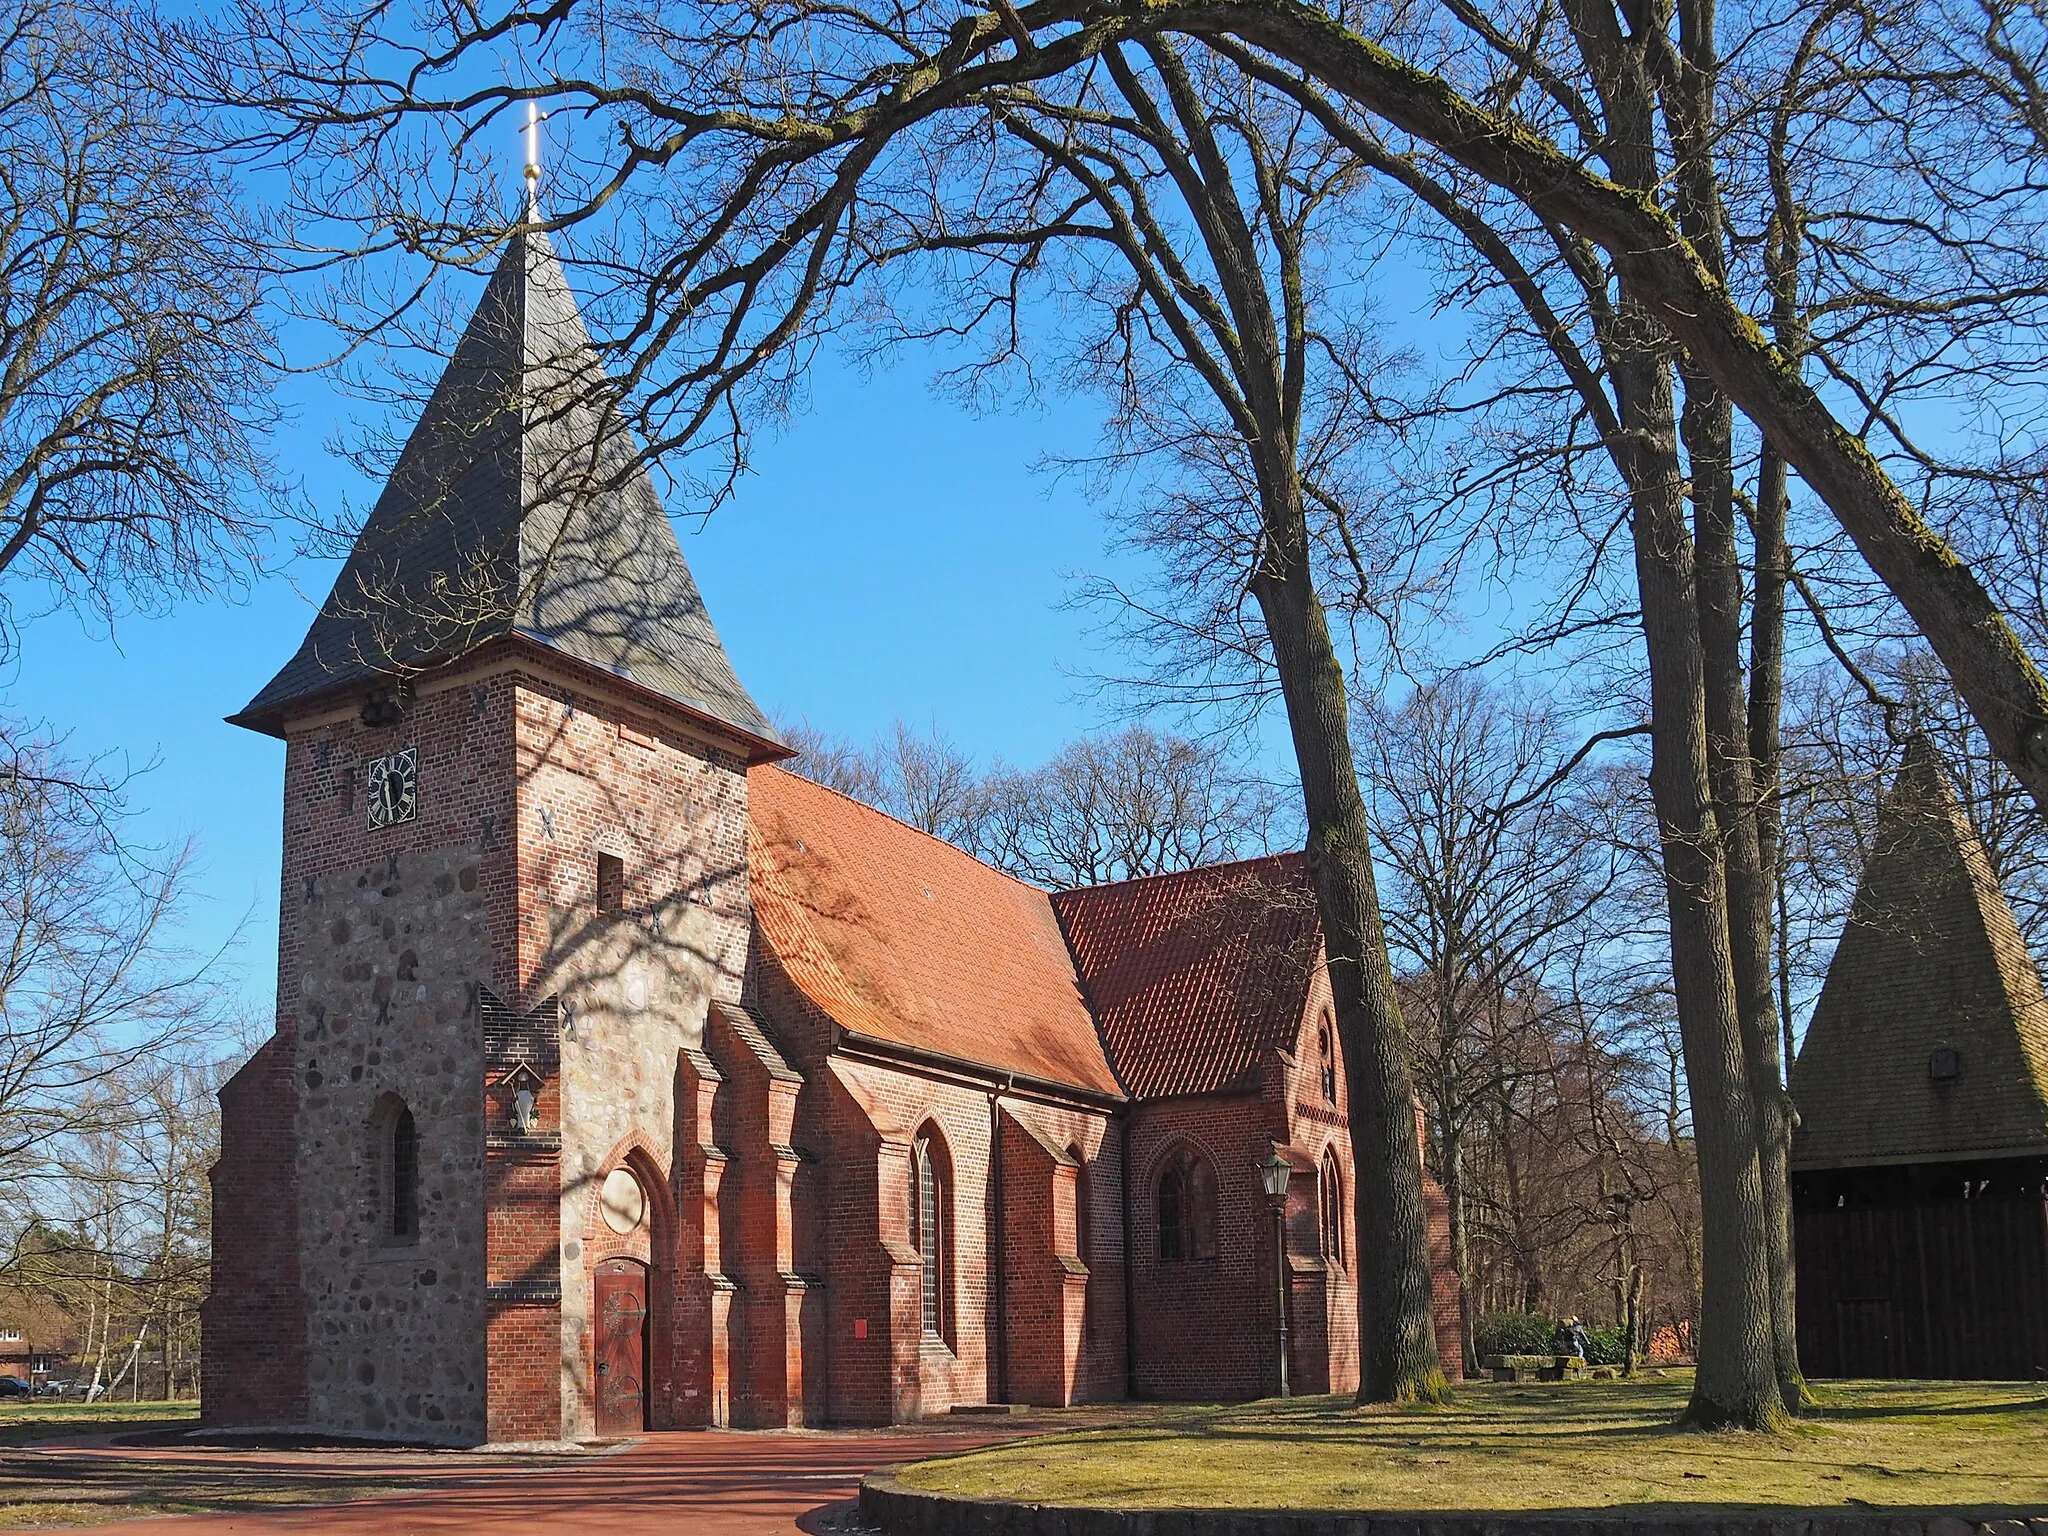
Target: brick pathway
point(707, 1484)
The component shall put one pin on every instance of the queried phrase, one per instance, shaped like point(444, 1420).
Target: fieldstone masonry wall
point(390, 957)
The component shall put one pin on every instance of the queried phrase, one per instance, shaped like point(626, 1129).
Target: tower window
point(611, 882)
point(396, 1139)
point(1326, 1052)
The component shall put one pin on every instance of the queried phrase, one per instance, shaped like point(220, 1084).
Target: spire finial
point(533, 161)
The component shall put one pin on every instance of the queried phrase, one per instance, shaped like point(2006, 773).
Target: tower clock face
point(392, 790)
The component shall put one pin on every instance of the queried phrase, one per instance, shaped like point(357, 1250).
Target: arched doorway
point(620, 1304)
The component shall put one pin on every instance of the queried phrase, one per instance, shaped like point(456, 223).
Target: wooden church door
point(621, 1347)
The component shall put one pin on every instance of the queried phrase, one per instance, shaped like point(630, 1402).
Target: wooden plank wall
point(1952, 1289)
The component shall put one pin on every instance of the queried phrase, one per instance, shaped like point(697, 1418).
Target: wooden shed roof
point(1931, 960)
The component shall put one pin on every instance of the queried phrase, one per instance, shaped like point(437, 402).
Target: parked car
point(54, 1388)
point(14, 1386)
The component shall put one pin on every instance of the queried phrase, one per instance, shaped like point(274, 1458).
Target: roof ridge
point(1192, 870)
point(946, 843)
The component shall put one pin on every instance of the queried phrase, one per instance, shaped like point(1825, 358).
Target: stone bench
point(1534, 1367)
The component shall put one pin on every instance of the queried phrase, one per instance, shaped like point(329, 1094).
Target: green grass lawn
point(1590, 1445)
point(24, 1421)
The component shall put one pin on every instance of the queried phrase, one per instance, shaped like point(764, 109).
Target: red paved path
point(707, 1483)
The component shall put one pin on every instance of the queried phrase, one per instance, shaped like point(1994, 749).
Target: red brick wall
point(851, 1213)
point(253, 1322)
point(700, 1333)
point(524, 1343)
point(1204, 1329)
point(522, 1194)
point(596, 775)
point(1064, 1286)
point(775, 1315)
point(1324, 1356)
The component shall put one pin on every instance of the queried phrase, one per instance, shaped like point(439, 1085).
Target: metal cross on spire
point(533, 161)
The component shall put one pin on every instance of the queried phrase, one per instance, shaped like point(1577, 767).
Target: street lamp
point(1273, 1176)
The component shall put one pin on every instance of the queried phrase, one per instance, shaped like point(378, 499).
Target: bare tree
point(93, 990)
point(1118, 807)
point(834, 761)
point(919, 777)
point(1495, 876)
point(135, 363)
point(1113, 807)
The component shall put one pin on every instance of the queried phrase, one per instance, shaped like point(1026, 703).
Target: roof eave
point(1911, 1159)
point(755, 749)
point(852, 1043)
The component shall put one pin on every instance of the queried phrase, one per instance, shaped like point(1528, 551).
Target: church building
point(624, 1079)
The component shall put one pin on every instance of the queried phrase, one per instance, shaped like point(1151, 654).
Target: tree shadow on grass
point(1908, 1411)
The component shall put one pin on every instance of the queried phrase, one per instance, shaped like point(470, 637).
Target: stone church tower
point(515, 820)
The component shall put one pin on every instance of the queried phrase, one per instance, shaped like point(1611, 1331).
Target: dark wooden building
point(1920, 1167)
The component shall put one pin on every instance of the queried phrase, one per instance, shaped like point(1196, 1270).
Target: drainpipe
point(1130, 1273)
point(999, 1247)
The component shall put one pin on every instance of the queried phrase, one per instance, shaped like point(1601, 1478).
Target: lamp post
point(1273, 1176)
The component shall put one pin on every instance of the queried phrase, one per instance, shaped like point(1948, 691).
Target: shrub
point(1604, 1345)
point(1513, 1333)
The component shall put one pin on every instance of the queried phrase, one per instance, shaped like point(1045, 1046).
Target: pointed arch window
point(932, 1217)
point(1332, 1199)
point(1187, 1209)
point(395, 1139)
point(1326, 1058)
point(1081, 1243)
point(405, 1175)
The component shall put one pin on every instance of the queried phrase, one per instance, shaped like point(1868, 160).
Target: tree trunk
point(1709, 431)
point(1632, 1320)
point(1708, 426)
point(1451, 1139)
point(1396, 1324)
point(1736, 1383)
point(1527, 1265)
point(1767, 702)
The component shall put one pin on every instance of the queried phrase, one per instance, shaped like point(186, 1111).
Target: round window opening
point(623, 1201)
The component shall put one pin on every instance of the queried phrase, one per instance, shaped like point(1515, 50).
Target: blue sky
point(893, 555)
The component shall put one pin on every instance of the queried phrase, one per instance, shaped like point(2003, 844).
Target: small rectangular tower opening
point(611, 882)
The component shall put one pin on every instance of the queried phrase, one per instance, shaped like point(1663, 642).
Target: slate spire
point(519, 511)
point(1930, 1039)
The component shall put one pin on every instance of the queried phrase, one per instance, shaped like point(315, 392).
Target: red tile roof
point(1194, 975)
point(901, 936)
